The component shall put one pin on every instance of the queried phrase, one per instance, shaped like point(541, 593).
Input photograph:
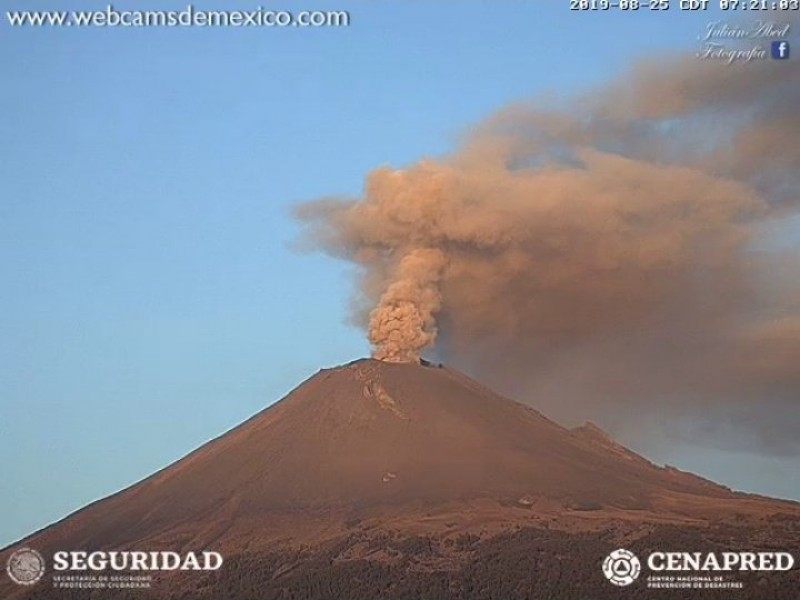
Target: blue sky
point(150, 297)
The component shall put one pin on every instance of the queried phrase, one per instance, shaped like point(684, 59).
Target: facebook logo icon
point(780, 50)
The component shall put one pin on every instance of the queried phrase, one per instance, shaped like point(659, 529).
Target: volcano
point(399, 480)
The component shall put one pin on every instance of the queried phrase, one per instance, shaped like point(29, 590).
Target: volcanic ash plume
point(403, 322)
point(627, 255)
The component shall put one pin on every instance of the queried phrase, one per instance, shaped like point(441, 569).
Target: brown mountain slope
point(373, 447)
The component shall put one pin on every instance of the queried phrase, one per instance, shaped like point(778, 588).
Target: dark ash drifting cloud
point(606, 260)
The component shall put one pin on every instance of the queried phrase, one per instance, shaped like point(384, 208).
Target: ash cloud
point(403, 323)
point(609, 259)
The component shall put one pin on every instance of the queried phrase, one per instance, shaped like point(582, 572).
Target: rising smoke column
point(611, 259)
point(403, 323)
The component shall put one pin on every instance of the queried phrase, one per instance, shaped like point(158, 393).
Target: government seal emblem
point(25, 566)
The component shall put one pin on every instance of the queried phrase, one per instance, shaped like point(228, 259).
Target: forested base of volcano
point(526, 563)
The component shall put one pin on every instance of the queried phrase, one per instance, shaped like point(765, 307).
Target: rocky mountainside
point(408, 478)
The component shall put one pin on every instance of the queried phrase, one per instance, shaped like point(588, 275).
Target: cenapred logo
point(25, 566)
point(621, 567)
